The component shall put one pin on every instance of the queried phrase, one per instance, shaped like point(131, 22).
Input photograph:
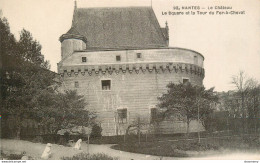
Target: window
point(195, 60)
point(153, 115)
point(84, 59)
point(122, 115)
point(118, 58)
point(76, 84)
point(106, 84)
point(138, 55)
point(185, 81)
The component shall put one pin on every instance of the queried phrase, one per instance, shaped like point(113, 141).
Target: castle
point(120, 60)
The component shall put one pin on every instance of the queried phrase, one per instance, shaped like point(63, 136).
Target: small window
point(122, 115)
point(153, 115)
point(185, 81)
point(84, 59)
point(118, 58)
point(195, 60)
point(106, 84)
point(76, 84)
point(138, 55)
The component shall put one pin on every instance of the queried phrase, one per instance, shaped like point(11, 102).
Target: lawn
point(191, 147)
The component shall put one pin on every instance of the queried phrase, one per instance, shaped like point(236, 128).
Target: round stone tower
point(123, 85)
point(119, 59)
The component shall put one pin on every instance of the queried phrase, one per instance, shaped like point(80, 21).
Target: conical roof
point(73, 34)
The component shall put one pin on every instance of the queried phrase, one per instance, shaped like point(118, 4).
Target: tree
point(30, 50)
point(30, 89)
point(191, 101)
point(246, 88)
point(7, 56)
point(25, 74)
point(63, 110)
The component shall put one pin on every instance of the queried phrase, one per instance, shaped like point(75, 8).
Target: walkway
point(35, 150)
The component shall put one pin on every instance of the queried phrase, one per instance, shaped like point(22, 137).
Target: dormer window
point(84, 59)
point(138, 55)
point(118, 58)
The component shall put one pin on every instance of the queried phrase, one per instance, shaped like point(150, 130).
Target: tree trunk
point(18, 132)
point(255, 114)
point(139, 137)
point(188, 127)
point(19, 126)
point(243, 113)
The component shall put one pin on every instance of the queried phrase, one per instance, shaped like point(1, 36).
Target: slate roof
point(118, 27)
point(73, 33)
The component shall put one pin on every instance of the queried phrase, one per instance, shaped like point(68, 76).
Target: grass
point(184, 148)
point(85, 156)
point(169, 149)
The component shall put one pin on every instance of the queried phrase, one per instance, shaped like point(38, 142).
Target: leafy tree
point(30, 50)
point(63, 110)
point(191, 101)
point(24, 74)
point(30, 89)
point(7, 56)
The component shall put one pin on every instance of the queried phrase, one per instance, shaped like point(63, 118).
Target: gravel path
point(35, 150)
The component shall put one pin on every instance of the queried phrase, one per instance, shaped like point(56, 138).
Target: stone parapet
point(131, 68)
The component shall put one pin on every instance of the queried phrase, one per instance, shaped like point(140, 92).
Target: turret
point(72, 40)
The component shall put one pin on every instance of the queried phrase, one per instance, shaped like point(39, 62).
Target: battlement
point(132, 68)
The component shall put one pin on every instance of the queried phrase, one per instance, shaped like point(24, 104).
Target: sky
point(229, 43)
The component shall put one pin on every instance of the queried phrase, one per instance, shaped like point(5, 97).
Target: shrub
point(38, 139)
point(96, 131)
point(85, 156)
point(13, 156)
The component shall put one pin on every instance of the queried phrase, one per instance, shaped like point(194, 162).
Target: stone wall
point(137, 91)
point(135, 83)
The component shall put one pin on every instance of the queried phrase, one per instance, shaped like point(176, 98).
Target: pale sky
point(229, 43)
